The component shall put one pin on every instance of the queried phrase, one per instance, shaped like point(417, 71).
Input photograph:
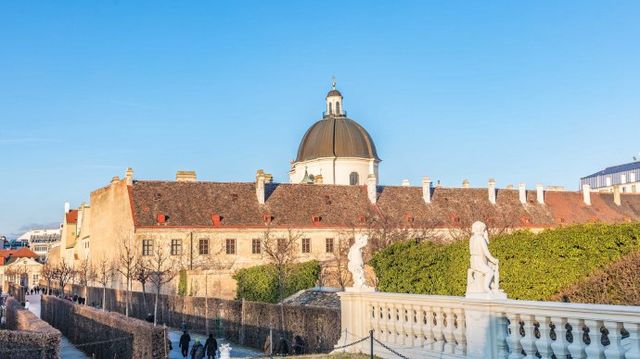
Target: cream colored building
point(210, 229)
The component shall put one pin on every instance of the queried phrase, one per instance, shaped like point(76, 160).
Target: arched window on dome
point(330, 108)
point(337, 108)
point(354, 179)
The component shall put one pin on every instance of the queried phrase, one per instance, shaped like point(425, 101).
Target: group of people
point(282, 347)
point(198, 351)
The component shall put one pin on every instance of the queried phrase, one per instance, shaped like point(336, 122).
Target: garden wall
point(242, 322)
point(111, 334)
point(26, 336)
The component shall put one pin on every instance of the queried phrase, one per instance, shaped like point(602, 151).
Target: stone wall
point(26, 336)
point(104, 334)
point(243, 322)
point(16, 291)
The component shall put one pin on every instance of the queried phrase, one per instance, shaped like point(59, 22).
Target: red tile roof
point(72, 216)
point(194, 204)
point(16, 253)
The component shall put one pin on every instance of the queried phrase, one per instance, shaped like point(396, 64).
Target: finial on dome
point(333, 83)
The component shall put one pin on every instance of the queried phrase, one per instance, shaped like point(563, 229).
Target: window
point(623, 179)
point(337, 108)
point(354, 178)
point(203, 246)
point(255, 246)
point(330, 108)
point(306, 245)
point(632, 177)
point(176, 247)
point(147, 247)
point(35, 279)
point(282, 244)
point(230, 246)
point(328, 245)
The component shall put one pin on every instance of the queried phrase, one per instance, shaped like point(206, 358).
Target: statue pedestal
point(365, 289)
point(493, 295)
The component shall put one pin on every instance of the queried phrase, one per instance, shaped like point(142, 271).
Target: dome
point(336, 136)
point(334, 92)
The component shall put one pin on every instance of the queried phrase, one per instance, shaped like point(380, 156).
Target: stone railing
point(424, 326)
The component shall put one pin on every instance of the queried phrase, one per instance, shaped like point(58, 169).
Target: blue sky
point(540, 91)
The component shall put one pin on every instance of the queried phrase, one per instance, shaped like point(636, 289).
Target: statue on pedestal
point(482, 276)
point(356, 264)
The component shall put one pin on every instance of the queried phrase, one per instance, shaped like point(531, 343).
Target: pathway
point(67, 350)
point(237, 351)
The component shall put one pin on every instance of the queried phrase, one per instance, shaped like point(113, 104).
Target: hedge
point(532, 266)
point(260, 283)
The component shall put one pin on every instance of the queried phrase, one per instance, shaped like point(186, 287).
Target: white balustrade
point(423, 326)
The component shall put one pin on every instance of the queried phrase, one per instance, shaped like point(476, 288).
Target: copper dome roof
point(336, 136)
point(334, 92)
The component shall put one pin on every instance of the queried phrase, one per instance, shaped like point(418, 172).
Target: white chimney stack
point(492, 190)
point(540, 193)
point(406, 183)
point(128, 176)
point(372, 188)
point(67, 207)
point(185, 176)
point(260, 180)
point(522, 193)
point(616, 196)
point(426, 189)
point(466, 184)
point(586, 194)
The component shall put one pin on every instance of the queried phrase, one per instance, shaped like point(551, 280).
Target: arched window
point(337, 108)
point(330, 108)
point(354, 179)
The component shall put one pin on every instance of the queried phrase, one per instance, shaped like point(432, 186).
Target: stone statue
point(482, 276)
point(356, 263)
point(225, 351)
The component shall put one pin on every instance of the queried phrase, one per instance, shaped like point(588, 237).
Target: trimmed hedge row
point(260, 283)
point(532, 266)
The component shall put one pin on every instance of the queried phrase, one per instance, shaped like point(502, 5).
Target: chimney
point(186, 176)
point(406, 183)
point(426, 189)
point(372, 188)
point(492, 190)
point(522, 193)
point(67, 207)
point(260, 180)
point(540, 193)
point(128, 176)
point(586, 194)
point(115, 179)
point(616, 195)
point(465, 183)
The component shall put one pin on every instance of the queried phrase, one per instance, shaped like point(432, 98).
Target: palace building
point(214, 228)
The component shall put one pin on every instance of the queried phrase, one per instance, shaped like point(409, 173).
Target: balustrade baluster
point(397, 325)
point(515, 347)
point(384, 312)
point(418, 325)
point(577, 346)
point(543, 344)
point(429, 327)
point(634, 341)
point(560, 344)
point(595, 349)
point(449, 345)
point(438, 330)
point(407, 325)
point(459, 331)
point(614, 349)
point(375, 321)
point(502, 330)
point(529, 341)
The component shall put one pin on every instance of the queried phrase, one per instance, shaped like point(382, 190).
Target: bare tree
point(105, 274)
point(63, 273)
point(86, 274)
point(281, 251)
point(126, 265)
point(47, 272)
point(141, 274)
point(163, 270)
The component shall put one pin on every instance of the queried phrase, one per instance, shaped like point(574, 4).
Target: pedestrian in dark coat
point(211, 346)
point(197, 351)
point(185, 338)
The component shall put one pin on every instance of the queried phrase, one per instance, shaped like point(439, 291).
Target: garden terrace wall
point(242, 322)
point(113, 335)
point(17, 292)
point(27, 336)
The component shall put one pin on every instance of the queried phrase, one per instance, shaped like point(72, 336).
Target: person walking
point(197, 351)
point(184, 343)
point(26, 304)
point(211, 346)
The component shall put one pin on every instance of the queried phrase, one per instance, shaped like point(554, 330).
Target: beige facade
point(25, 271)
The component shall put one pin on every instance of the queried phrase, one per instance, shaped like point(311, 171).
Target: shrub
point(532, 266)
point(260, 283)
point(182, 282)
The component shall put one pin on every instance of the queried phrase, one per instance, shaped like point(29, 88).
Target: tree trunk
point(126, 299)
point(104, 298)
point(144, 299)
point(85, 294)
point(155, 308)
